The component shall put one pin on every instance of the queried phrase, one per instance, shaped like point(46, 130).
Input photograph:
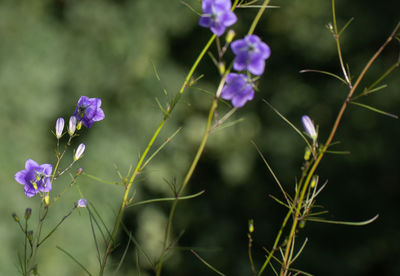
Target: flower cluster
point(37, 178)
point(250, 52)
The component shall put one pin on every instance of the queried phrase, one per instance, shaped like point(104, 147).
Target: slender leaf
point(325, 73)
point(207, 264)
point(289, 123)
point(346, 25)
point(351, 223)
point(375, 109)
point(166, 199)
point(73, 258)
point(123, 255)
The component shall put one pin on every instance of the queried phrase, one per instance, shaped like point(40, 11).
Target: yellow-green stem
point(258, 17)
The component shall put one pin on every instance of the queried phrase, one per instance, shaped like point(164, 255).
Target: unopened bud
point(15, 217)
point(79, 152)
point(79, 125)
point(251, 226)
point(314, 181)
point(28, 213)
point(30, 235)
point(72, 125)
point(309, 127)
point(307, 154)
point(221, 68)
point(79, 171)
point(47, 199)
point(59, 127)
point(229, 36)
point(81, 203)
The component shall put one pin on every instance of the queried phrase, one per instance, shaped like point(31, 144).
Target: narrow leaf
point(289, 123)
point(167, 199)
point(375, 109)
point(346, 25)
point(123, 255)
point(351, 223)
point(325, 73)
point(207, 264)
point(75, 260)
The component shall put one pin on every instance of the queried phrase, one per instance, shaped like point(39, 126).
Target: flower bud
point(79, 125)
point(72, 125)
point(59, 127)
point(251, 226)
point(28, 213)
point(79, 171)
point(79, 152)
point(30, 235)
point(229, 36)
point(15, 217)
point(314, 181)
point(47, 199)
point(221, 68)
point(309, 127)
point(81, 203)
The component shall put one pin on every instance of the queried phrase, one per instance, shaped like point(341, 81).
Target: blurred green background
point(54, 51)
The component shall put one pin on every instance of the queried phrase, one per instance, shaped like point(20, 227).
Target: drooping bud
point(309, 127)
point(79, 152)
point(251, 226)
point(30, 235)
point(59, 127)
point(28, 213)
point(72, 125)
point(81, 203)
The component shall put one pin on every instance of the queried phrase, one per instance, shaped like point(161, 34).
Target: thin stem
point(258, 17)
point(143, 156)
point(286, 261)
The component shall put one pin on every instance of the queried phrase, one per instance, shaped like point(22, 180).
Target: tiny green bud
point(307, 154)
point(79, 125)
point(30, 235)
point(229, 36)
point(28, 213)
point(251, 226)
point(221, 68)
point(314, 181)
point(15, 217)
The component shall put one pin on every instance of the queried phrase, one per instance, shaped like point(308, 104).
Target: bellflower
point(238, 88)
point(59, 127)
point(217, 15)
point(251, 54)
point(309, 127)
point(35, 177)
point(88, 111)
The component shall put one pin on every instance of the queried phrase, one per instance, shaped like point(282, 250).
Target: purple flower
point(238, 88)
point(35, 177)
point(82, 203)
point(217, 15)
point(251, 54)
point(309, 127)
point(88, 111)
point(79, 152)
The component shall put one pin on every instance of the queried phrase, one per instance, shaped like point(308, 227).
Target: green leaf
point(166, 199)
point(351, 223)
point(207, 264)
point(73, 258)
point(325, 73)
point(375, 109)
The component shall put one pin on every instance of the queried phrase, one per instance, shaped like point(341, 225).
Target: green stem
point(286, 261)
point(143, 156)
point(258, 17)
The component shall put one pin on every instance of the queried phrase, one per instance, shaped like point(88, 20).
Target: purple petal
point(30, 191)
point(99, 115)
point(256, 65)
point(265, 50)
point(228, 18)
point(47, 169)
point(240, 62)
point(205, 21)
point(239, 46)
point(29, 164)
point(20, 177)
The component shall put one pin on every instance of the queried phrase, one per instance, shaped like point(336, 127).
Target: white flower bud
point(79, 151)
point(72, 125)
point(309, 127)
point(59, 127)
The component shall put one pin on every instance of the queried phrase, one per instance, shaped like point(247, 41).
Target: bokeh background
point(54, 51)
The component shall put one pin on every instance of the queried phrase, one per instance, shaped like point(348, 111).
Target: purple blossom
point(238, 88)
point(89, 111)
point(217, 15)
point(82, 203)
point(251, 54)
point(35, 177)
